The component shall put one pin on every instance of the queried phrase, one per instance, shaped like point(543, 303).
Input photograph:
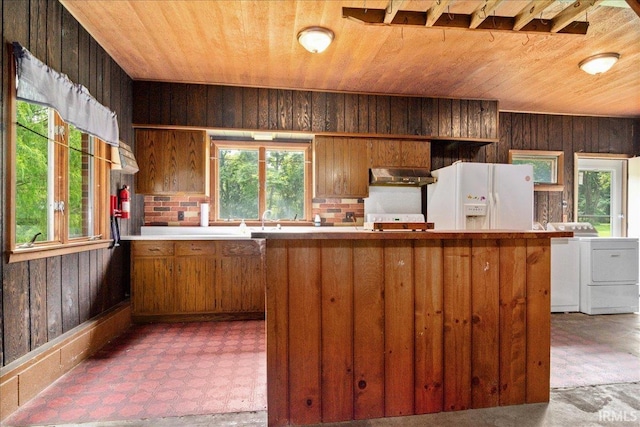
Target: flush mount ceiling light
point(600, 63)
point(315, 39)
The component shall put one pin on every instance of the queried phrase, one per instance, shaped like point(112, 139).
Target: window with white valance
point(39, 84)
point(59, 162)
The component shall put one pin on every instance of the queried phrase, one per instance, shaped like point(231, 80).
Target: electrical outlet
point(350, 216)
point(180, 215)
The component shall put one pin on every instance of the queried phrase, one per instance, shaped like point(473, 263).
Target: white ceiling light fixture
point(315, 39)
point(598, 64)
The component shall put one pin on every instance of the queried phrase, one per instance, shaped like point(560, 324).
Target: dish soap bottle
point(243, 227)
point(317, 221)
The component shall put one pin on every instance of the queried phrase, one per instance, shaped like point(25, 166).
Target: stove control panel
point(391, 217)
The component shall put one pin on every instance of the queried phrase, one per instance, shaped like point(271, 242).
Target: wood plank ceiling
point(253, 43)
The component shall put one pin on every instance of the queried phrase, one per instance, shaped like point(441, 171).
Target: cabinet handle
point(196, 249)
point(154, 250)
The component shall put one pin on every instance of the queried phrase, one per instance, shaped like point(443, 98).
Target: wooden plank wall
point(42, 299)
point(571, 134)
point(213, 106)
point(383, 328)
point(357, 114)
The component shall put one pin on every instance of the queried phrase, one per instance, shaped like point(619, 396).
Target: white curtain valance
point(40, 84)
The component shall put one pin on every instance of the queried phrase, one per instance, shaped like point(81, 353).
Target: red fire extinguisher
point(125, 206)
point(120, 208)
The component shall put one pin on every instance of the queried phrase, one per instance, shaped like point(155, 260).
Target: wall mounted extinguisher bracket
point(120, 207)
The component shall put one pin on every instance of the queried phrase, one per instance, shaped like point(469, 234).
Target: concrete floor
point(594, 405)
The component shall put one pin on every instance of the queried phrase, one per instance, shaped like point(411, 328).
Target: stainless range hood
point(400, 176)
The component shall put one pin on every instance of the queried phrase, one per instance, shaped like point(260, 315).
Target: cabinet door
point(152, 286)
point(171, 162)
point(341, 167)
point(356, 175)
point(151, 155)
point(400, 153)
point(191, 150)
point(240, 286)
point(385, 153)
point(152, 281)
point(415, 154)
point(195, 276)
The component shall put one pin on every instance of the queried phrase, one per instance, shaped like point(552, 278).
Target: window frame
point(262, 147)
point(61, 244)
point(559, 159)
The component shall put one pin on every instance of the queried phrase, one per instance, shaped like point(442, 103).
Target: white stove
point(394, 217)
point(397, 222)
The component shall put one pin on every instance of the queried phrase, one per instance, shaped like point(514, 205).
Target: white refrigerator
point(477, 196)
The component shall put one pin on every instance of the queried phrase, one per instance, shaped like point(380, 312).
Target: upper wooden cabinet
point(400, 153)
point(341, 167)
point(172, 162)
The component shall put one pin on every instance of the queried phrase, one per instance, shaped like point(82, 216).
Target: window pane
point(594, 200)
point(238, 184)
point(32, 172)
point(80, 183)
point(544, 168)
point(285, 184)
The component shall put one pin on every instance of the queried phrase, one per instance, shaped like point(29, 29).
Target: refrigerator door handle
point(491, 209)
point(496, 211)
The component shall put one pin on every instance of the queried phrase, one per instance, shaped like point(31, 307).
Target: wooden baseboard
point(196, 317)
point(23, 379)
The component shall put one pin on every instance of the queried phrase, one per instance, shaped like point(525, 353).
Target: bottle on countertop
point(243, 227)
point(317, 221)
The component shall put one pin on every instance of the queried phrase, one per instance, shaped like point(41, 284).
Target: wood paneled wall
point(209, 106)
point(212, 106)
point(571, 134)
point(364, 329)
point(42, 299)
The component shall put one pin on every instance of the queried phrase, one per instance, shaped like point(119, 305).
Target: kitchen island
point(366, 325)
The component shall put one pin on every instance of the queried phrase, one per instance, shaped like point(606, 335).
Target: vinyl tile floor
point(160, 370)
point(213, 374)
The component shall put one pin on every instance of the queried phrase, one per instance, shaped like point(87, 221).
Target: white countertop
point(225, 232)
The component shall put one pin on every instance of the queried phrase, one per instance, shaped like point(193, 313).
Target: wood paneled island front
point(381, 324)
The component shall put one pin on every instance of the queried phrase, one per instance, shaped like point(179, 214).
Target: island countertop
point(360, 234)
point(330, 233)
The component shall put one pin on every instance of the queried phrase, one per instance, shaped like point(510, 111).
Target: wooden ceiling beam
point(483, 12)
point(436, 11)
point(392, 9)
point(635, 5)
point(460, 21)
point(529, 12)
point(570, 13)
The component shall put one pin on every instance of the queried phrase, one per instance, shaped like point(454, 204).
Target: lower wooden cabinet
point(175, 280)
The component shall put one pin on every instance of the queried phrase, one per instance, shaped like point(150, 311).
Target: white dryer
point(609, 275)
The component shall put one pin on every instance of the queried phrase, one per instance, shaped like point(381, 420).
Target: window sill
point(37, 252)
point(548, 187)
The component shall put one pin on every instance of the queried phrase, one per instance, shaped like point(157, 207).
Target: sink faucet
point(264, 217)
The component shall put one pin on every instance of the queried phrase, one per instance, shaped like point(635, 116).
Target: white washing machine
point(565, 265)
point(609, 275)
point(565, 274)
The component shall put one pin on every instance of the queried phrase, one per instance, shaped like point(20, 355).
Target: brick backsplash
point(163, 210)
point(334, 211)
